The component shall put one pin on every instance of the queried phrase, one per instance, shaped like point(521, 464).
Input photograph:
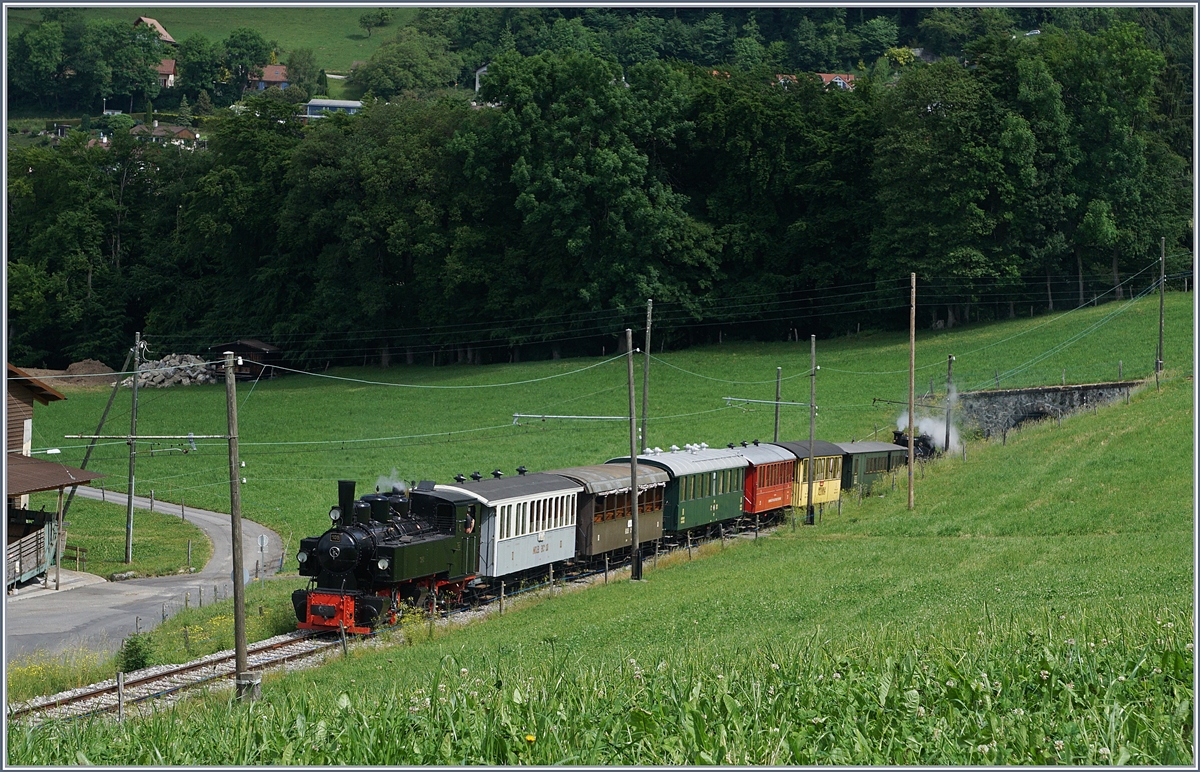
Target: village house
point(272, 75)
point(166, 73)
point(154, 25)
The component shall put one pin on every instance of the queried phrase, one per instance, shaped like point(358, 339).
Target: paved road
point(98, 615)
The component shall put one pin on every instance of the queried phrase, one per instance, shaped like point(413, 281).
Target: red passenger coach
point(768, 478)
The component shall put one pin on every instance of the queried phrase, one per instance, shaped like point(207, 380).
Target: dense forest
point(1014, 159)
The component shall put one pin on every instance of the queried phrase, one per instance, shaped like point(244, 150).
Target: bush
point(135, 653)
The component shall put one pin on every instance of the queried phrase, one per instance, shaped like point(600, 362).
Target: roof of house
point(41, 392)
point(250, 343)
point(154, 25)
point(273, 73)
point(830, 77)
point(331, 103)
point(166, 67)
point(163, 130)
point(30, 475)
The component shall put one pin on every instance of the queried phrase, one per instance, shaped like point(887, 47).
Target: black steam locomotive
point(382, 549)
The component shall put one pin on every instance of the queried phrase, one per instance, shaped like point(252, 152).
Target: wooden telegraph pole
point(778, 396)
point(1162, 288)
point(809, 511)
point(235, 518)
point(636, 556)
point(912, 377)
point(646, 374)
point(949, 389)
point(137, 366)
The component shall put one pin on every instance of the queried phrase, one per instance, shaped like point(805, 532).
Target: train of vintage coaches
point(405, 545)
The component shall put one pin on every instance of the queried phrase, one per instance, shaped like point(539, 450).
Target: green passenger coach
point(706, 485)
point(865, 463)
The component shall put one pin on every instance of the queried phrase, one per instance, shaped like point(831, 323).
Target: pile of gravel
point(173, 370)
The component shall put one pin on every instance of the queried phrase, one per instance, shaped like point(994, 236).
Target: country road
point(98, 615)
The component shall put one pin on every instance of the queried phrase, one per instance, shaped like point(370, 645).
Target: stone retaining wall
point(996, 411)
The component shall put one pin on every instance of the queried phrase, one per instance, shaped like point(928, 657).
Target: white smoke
point(385, 484)
point(935, 428)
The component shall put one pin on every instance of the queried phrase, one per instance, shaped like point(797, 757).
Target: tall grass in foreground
point(1103, 689)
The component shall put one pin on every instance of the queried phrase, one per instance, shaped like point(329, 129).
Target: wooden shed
point(258, 359)
point(33, 542)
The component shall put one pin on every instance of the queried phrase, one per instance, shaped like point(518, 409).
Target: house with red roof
point(839, 80)
point(166, 73)
point(272, 75)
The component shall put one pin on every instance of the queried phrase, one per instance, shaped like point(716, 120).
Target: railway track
point(165, 681)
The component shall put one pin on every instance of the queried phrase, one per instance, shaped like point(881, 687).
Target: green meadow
point(299, 434)
point(1034, 608)
point(332, 33)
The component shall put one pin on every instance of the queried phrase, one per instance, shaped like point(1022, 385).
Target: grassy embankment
point(1035, 608)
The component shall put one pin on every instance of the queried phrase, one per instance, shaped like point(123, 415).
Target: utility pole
point(137, 366)
point(235, 518)
point(809, 510)
point(103, 417)
point(1162, 288)
point(635, 572)
point(912, 377)
point(949, 396)
point(778, 396)
point(646, 374)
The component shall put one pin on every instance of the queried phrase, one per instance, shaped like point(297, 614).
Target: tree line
point(70, 63)
point(536, 217)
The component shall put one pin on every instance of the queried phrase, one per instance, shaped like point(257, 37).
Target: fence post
point(502, 595)
point(183, 508)
point(120, 696)
point(137, 625)
point(189, 555)
point(164, 612)
point(187, 600)
point(151, 499)
point(201, 591)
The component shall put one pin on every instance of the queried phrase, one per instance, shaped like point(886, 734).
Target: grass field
point(299, 434)
point(99, 528)
point(1036, 608)
point(332, 33)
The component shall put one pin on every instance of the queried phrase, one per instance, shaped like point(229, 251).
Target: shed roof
point(764, 453)
point(30, 475)
point(41, 392)
point(679, 462)
point(249, 343)
point(870, 447)
point(491, 491)
point(820, 448)
point(607, 478)
point(166, 67)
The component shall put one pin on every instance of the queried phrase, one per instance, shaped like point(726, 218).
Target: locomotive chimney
point(346, 499)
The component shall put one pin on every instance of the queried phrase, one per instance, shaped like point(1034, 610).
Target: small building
point(317, 107)
point(258, 359)
point(33, 537)
point(837, 80)
point(165, 134)
point(166, 73)
point(272, 75)
point(154, 25)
